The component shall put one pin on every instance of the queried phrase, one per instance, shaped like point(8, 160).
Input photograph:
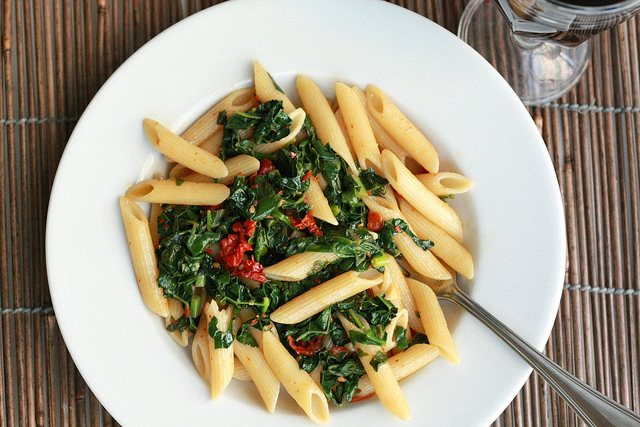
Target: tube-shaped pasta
point(402, 364)
point(176, 310)
point(432, 317)
point(266, 89)
point(256, 366)
point(220, 359)
point(299, 266)
point(200, 349)
point(401, 319)
point(343, 129)
point(181, 151)
point(242, 164)
point(143, 256)
point(154, 213)
point(393, 271)
point(297, 121)
point(319, 205)
point(444, 246)
point(322, 117)
point(383, 379)
point(358, 128)
point(423, 261)
point(383, 138)
point(297, 382)
point(388, 288)
point(211, 144)
point(178, 192)
point(401, 129)
point(322, 296)
point(445, 183)
point(240, 373)
point(430, 205)
point(207, 124)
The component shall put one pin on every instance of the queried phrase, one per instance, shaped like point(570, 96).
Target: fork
point(593, 407)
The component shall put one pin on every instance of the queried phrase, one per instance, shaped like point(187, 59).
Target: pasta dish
point(295, 245)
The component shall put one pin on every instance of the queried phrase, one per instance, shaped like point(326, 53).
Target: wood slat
point(55, 56)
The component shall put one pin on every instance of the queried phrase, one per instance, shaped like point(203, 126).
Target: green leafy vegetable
point(377, 360)
point(222, 339)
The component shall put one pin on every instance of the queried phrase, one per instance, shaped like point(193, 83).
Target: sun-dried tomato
point(374, 221)
point(265, 166)
point(211, 207)
point(232, 248)
point(237, 227)
point(251, 270)
point(308, 222)
point(307, 348)
point(250, 227)
point(339, 349)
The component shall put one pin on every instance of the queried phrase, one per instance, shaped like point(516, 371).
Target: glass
point(541, 47)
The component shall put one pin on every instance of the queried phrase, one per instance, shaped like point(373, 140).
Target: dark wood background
point(56, 54)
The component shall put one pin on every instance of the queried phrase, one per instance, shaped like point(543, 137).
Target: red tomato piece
point(374, 221)
point(307, 348)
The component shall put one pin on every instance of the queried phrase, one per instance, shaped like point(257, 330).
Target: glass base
point(537, 71)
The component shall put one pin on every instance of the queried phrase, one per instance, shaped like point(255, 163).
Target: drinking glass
point(541, 47)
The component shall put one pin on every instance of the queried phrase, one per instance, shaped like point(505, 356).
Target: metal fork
point(593, 407)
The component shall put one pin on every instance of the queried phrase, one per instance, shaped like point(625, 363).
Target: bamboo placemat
point(56, 54)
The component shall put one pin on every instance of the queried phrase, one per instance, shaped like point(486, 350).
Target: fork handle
point(593, 407)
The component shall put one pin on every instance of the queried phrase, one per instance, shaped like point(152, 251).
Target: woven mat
point(55, 56)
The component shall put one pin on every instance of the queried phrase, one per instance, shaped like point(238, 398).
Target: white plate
point(513, 217)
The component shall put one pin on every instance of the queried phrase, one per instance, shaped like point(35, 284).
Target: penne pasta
point(435, 325)
point(297, 121)
point(181, 151)
point(444, 246)
point(143, 256)
point(154, 212)
point(445, 183)
point(343, 129)
point(220, 359)
point(393, 271)
point(213, 143)
point(383, 138)
point(401, 129)
point(427, 203)
point(299, 266)
point(176, 310)
point(243, 165)
point(178, 192)
point(207, 124)
point(319, 206)
point(297, 382)
point(322, 117)
point(383, 379)
point(200, 349)
point(358, 128)
point(255, 364)
point(240, 373)
point(322, 296)
point(266, 89)
point(403, 364)
point(423, 261)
